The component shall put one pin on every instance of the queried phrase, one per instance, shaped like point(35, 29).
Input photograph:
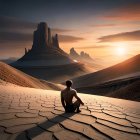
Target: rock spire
point(42, 38)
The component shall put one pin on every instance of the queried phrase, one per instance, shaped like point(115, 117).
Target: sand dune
point(57, 73)
point(14, 76)
point(128, 67)
point(119, 81)
point(131, 91)
point(126, 88)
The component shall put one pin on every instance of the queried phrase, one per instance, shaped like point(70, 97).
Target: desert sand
point(128, 67)
point(125, 88)
point(29, 113)
point(14, 76)
point(119, 81)
point(57, 74)
point(131, 91)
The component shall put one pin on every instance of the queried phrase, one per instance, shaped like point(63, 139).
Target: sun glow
point(120, 49)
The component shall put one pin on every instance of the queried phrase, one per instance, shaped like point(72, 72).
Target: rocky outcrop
point(55, 41)
point(43, 39)
point(45, 50)
point(46, 60)
point(49, 37)
point(40, 37)
point(73, 53)
point(82, 55)
point(85, 55)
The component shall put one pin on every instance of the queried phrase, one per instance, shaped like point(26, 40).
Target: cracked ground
point(27, 113)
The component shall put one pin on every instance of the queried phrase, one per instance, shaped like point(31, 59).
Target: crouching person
point(67, 99)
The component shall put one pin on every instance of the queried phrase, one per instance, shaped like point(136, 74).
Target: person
point(67, 99)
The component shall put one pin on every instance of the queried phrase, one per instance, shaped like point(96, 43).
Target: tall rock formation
point(40, 39)
point(49, 37)
point(55, 41)
point(46, 60)
point(45, 49)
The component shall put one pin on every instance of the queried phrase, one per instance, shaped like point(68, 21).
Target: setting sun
point(120, 48)
point(120, 51)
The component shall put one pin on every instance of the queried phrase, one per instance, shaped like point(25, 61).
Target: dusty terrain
point(128, 67)
point(126, 88)
point(130, 92)
point(28, 113)
point(57, 73)
point(119, 81)
point(14, 76)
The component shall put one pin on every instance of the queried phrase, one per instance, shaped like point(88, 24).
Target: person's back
point(67, 98)
point(68, 95)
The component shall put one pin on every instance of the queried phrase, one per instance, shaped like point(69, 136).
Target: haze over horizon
point(108, 30)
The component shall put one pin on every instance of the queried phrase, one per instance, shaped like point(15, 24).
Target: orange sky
point(109, 31)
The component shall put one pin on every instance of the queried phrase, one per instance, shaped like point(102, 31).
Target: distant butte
point(42, 37)
point(46, 60)
point(45, 50)
point(82, 56)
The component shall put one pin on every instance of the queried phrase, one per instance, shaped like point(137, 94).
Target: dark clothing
point(70, 108)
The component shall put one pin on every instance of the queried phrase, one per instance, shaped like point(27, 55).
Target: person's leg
point(70, 108)
point(77, 105)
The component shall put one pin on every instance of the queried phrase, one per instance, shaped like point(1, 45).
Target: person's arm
point(76, 96)
point(63, 102)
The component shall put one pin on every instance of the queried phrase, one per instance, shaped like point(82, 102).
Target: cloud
point(16, 30)
point(93, 47)
point(60, 30)
point(15, 37)
point(125, 36)
point(86, 47)
point(69, 38)
point(14, 24)
point(103, 25)
point(124, 13)
point(27, 37)
point(117, 25)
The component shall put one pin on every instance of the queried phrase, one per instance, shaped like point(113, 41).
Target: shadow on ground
point(38, 130)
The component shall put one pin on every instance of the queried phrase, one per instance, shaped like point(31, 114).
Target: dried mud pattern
point(38, 114)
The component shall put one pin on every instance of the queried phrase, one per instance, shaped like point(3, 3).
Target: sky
point(109, 30)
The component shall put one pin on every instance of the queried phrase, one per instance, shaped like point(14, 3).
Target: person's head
point(69, 83)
